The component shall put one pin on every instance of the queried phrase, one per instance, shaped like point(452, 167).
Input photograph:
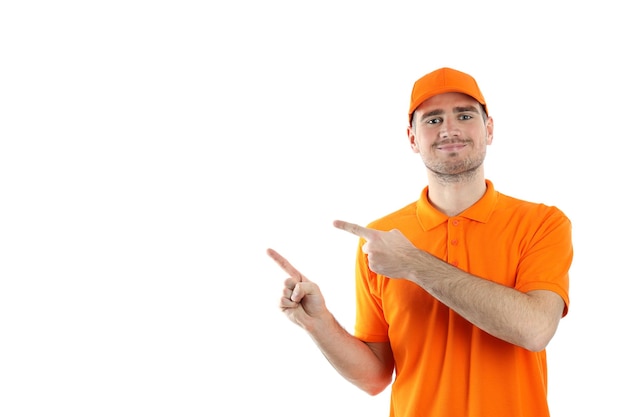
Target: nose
point(449, 129)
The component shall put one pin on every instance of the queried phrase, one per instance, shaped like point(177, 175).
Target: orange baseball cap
point(444, 80)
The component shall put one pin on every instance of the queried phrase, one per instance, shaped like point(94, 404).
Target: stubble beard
point(456, 171)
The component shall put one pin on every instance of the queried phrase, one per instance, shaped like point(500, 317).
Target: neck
point(453, 195)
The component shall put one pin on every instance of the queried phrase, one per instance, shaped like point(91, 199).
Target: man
point(459, 293)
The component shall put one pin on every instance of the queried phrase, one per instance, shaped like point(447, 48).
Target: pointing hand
point(388, 253)
point(302, 300)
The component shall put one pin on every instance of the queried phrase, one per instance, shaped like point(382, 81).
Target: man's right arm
point(369, 366)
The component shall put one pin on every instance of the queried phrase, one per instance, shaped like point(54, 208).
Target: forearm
point(526, 320)
point(351, 357)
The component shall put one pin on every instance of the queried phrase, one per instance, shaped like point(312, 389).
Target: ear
point(489, 126)
point(412, 141)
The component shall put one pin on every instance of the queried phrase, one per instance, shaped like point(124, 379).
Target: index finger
point(285, 265)
point(355, 229)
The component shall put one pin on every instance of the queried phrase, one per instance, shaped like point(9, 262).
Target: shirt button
point(455, 263)
point(454, 242)
point(455, 222)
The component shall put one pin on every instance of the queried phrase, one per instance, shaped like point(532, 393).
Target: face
point(450, 134)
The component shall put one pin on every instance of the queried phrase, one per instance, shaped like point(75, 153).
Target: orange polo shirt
point(445, 366)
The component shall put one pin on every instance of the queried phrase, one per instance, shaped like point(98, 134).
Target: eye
point(466, 117)
point(434, 121)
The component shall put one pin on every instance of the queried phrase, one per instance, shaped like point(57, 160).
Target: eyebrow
point(458, 109)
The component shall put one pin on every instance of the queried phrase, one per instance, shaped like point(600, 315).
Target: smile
point(451, 147)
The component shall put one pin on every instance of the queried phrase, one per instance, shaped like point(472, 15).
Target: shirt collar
point(429, 217)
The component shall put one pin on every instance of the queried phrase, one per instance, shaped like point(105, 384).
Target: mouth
point(451, 147)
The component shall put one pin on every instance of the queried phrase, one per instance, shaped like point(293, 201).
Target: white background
point(151, 151)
